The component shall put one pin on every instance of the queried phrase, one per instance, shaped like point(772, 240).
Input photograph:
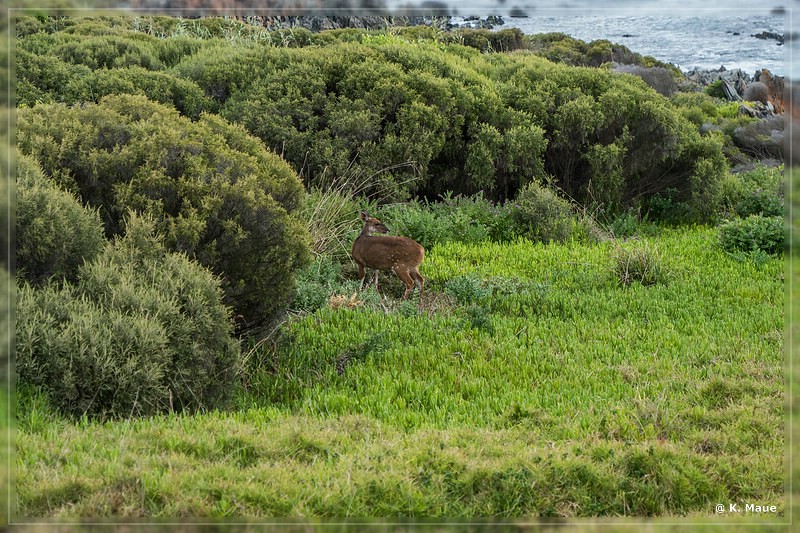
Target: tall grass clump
point(331, 212)
point(639, 263)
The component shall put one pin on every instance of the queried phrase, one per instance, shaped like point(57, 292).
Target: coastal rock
point(488, 23)
point(731, 93)
point(322, 23)
point(736, 82)
point(775, 88)
point(769, 35)
point(757, 110)
point(736, 77)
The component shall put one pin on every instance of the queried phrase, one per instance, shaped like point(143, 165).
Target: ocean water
point(704, 42)
point(697, 33)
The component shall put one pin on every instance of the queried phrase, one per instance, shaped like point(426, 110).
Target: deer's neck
point(365, 232)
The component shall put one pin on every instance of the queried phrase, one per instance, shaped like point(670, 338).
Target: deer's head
point(373, 225)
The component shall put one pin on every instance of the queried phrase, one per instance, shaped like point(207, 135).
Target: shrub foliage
point(141, 331)
point(414, 111)
point(215, 192)
point(55, 234)
point(754, 233)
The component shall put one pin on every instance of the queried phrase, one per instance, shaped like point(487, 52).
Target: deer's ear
point(364, 216)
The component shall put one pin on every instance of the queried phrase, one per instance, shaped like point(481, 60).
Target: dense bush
point(410, 116)
point(55, 234)
point(764, 203)
point(467, 289)
point(659, 78)
point(8, 210)
point(316, 283)
point(561, 48)
point(432, 223)
point(762, 138)
point(756, 92)
point(492, 41)
point(215, 192)
point(754, 233)
point(540, 214)
point(6, 322)
point(142, 331)
point(466, 219)
point(703, 109)
point(715, 89)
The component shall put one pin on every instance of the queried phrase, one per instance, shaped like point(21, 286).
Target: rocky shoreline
point(372, 22)
point(762, 87)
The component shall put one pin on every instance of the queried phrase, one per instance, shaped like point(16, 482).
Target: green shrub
point(659, 78)
point(316, 283)
point(762, 177)
point(219, 69)
point(493, 41)
point(8, 210)
point(159, 87)
point(107, 51)
point(215, 192)
point(55, 234)
point(431, 224)
point(47, 79)
point(479, 318)
point(624, 225)
point(668, 207)
point(762, 203)
point(715, 90)
point(540, 214)
point(414, 113)
point(753, 233)
point(762, 138)
point(756, 191)
point(467, 219)
point(142, 331)
point(562, 48)
point(699, 107)
point(6, 288)
point(467, 289)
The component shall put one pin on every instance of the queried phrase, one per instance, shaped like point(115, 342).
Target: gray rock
point(769, 35)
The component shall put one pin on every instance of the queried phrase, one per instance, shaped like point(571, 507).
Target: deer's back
point(386, 252)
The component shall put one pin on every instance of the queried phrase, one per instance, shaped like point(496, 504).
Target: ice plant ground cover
point(528, 381)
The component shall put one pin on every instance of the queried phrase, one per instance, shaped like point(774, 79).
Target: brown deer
point(401, 255)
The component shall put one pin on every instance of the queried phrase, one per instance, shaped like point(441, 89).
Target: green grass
point(554, 388)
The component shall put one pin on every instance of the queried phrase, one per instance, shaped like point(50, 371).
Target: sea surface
point(686, 41)
point(704, 34)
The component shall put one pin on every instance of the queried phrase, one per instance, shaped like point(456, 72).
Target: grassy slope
point(564, 394)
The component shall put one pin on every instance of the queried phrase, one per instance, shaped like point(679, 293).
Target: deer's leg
point(362, 272)
point(418, 279)
point(375, 279)
point(405, 277)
